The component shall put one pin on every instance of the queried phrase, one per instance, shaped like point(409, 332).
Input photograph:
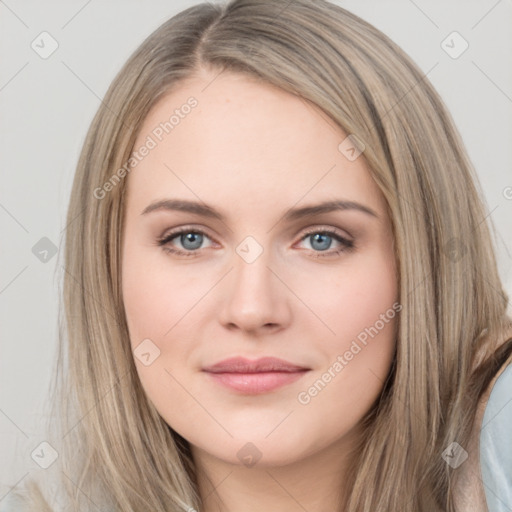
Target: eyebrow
point(204, 210)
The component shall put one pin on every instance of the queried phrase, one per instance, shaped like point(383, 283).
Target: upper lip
point(243, 365)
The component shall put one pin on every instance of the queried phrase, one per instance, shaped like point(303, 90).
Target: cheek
point(352, 297)
point(157, 297)
point(359, 306)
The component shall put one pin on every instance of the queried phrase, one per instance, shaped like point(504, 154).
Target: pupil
point(319, 237)
point(189, 237)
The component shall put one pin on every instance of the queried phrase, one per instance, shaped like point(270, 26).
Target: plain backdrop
point(47, 104)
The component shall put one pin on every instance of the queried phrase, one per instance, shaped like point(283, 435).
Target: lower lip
point(255, 383)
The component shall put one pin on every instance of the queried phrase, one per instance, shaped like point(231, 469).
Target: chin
point(255, 447)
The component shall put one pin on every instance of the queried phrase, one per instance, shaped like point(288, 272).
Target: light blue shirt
point(496, 445)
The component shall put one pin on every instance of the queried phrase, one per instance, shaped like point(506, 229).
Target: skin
point(252, 152)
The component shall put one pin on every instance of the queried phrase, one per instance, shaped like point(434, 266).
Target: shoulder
point(496, 441)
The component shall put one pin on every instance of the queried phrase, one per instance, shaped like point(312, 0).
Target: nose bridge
point(252, 272)
point(253, 296)
point(252, 276)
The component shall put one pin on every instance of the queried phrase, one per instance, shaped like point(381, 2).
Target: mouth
point(255, 377)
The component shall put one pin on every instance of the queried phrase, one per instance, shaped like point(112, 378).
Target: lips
point(255, 377)
point(264, 364)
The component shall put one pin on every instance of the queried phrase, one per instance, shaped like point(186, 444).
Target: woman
point(280, 292)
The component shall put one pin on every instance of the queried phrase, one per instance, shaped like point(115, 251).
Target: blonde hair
point(451, 330)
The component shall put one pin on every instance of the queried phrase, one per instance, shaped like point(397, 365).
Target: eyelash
point(347, 245)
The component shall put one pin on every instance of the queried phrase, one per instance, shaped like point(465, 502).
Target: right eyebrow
point(183, 205)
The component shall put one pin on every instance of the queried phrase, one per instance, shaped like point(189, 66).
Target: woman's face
point(259, 272)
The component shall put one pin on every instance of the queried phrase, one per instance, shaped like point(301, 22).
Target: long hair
point(114, 448)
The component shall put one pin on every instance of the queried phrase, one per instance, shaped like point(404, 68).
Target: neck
point(313, 483)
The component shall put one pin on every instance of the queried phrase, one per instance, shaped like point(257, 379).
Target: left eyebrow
point(182, 205)
point(327, 207)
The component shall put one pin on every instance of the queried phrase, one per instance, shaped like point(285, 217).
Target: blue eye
point(191, 241)
point(322, 241)
point(320, 237)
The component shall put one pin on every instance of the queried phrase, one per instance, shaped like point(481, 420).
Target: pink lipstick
point(255, 377)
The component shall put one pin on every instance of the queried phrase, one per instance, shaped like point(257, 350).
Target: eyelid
point(186, 227)
point(327, 228)
point(347, 243)
point(169, 234)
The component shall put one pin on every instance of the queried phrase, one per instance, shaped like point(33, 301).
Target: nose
point(254, 297)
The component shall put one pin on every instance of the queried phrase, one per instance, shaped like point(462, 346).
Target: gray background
point(46, 106)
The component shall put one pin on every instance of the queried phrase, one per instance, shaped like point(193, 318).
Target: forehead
point(231, 138)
